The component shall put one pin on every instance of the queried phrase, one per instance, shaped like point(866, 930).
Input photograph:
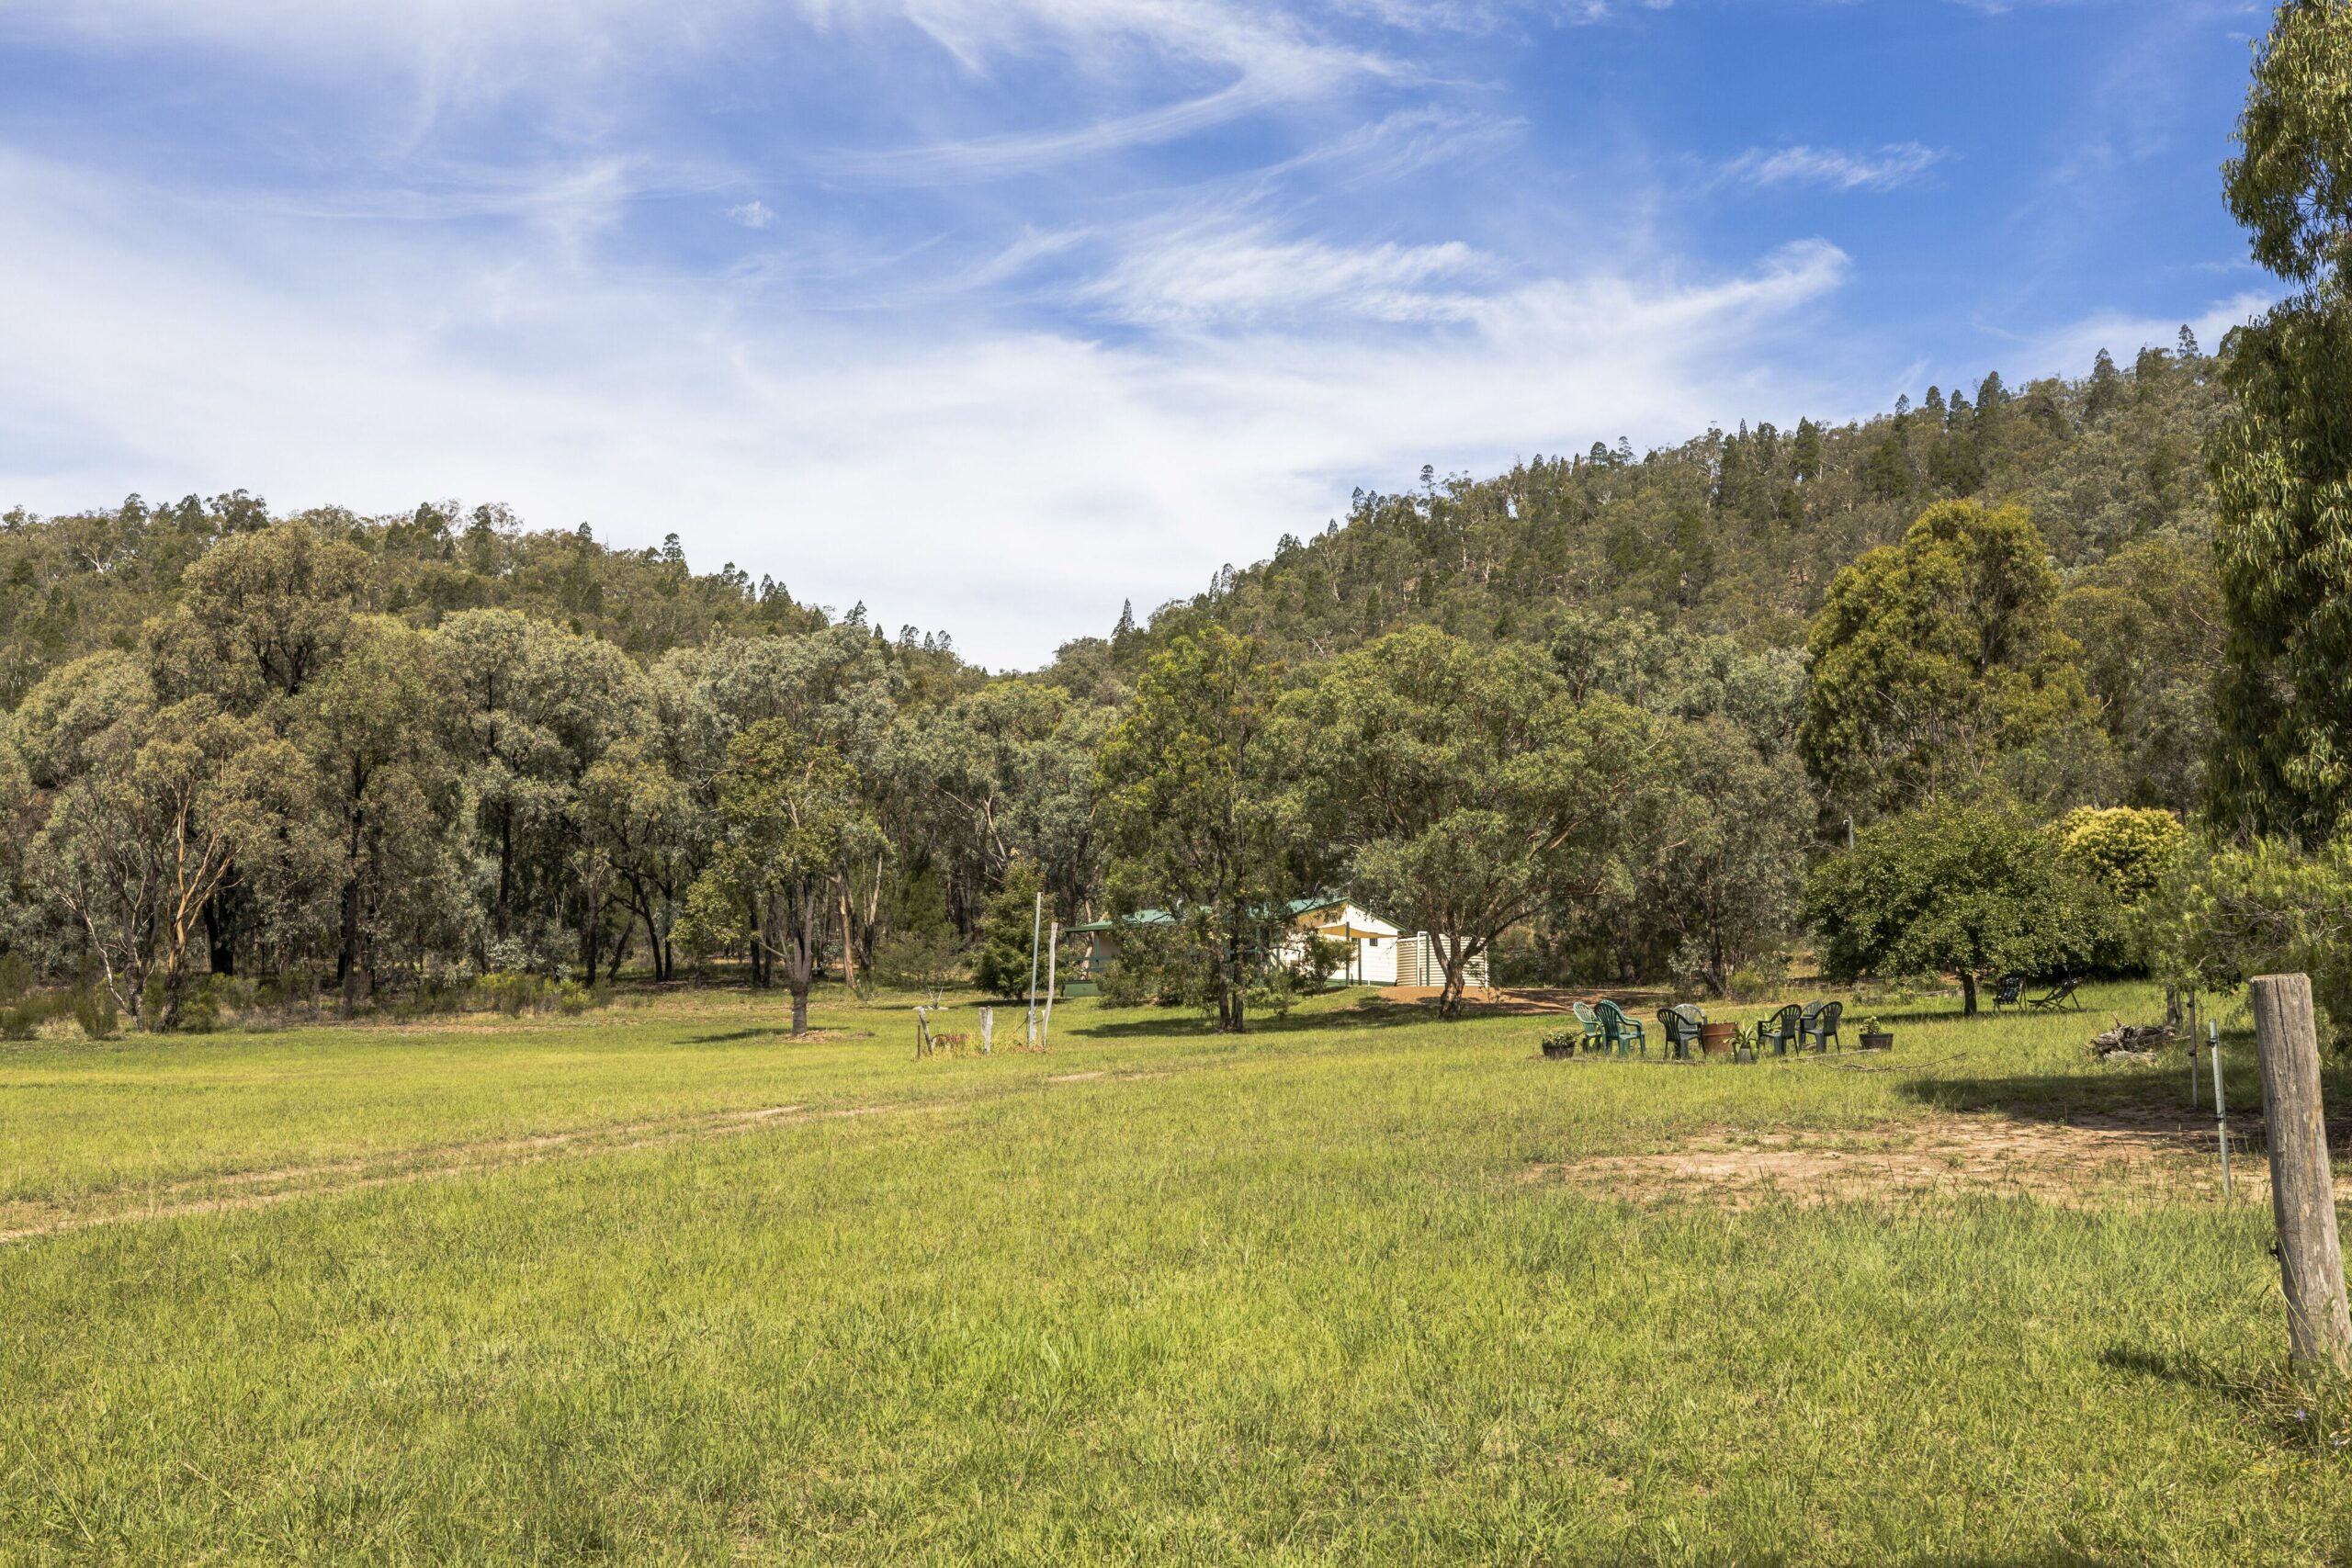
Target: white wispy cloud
point(1009, 483)
point(1883, 168)
point(1211, 277)
point(2068, 348)
point(753, 214)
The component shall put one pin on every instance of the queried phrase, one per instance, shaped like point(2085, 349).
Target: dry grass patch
point(2134, 1152)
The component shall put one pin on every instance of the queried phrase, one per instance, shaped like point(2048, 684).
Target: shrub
point(2224, 913)
point(1001, 963)
point(1971, 889)
point(2125, 849)
point(94, 1010)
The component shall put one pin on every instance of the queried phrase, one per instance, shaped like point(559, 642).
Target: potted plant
point(1875, 1038)
point(1717, 1039)
point(1562, 1043)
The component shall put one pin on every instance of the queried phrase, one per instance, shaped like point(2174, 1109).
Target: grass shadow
point(2292, 1413)
point(2056, 1097)
point(1363, 1015)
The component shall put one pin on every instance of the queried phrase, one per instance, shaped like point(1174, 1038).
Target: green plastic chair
point(1822, 1027)
point(1681, 1023)
point(1782, 1030)
point(1594, 1040)
point(1624, 1034)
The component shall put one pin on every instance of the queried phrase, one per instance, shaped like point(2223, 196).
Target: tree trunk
point(1968, 995)
point(800, 1007)
point(505, 870)
point(1230, 1018)
point(849, 943)
point(220, 937)
point(1453, 964)
point(347, 960)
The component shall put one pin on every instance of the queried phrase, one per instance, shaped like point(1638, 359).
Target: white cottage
point(1372, 960)
point(1379, 953)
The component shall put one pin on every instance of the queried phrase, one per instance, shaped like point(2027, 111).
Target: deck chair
point(2061, 995)
point(1681, 1024)
point(1624, 1034)
point(1782, 1031)
point(1593, 1038)
point(2006, 994)
point(1822, 1027)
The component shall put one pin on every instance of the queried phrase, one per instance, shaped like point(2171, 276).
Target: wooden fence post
point(2303, 1197)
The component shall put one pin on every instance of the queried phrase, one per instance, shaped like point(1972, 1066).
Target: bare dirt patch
point(2129, 1153)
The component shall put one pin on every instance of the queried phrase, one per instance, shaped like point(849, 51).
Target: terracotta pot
point(1715, 1039)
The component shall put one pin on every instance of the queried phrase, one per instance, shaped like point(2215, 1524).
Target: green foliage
point(94, 1012)
point(1196, 812)
point(478, 748)
point(1973, 890)
point(787, 811)
point(2150, 623)
point(925, 960)
point(1155, 966)
point(2225, 913)
point(1009, 933)
point(1939, 665)
point(2282, 467)
point(2126, 850)
point(1469, 788)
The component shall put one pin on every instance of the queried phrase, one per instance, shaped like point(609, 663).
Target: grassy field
point(658, 1284)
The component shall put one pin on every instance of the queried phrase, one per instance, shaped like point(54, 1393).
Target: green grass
point(1285, 1299)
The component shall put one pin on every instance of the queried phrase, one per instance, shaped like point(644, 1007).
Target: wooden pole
point(2302, 1198)
point(2192, 1053)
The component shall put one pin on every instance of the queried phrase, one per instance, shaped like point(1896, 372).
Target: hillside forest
point(1596, 719)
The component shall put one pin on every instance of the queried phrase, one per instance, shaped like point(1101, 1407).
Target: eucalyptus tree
point(538, 705)
point(2282, 467)
point(376, 726)
point(170, 801)
point(1939, 664)
point(787, 807)
point(260, 615)
point(1195, 809)
point(1468, 788)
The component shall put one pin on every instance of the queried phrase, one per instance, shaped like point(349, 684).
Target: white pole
point(1053, 946)
point(987, 1031)
point(1036, 928)
point(2220, 1112)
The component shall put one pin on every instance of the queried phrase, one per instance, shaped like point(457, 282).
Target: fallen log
point(2140, 1040)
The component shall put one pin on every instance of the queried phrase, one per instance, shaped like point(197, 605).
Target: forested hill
point(1735, 533)
point(73, 584)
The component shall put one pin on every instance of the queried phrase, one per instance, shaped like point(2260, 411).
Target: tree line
point(1945, 691)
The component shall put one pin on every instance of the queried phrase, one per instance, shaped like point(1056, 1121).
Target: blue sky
point(991, 313)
